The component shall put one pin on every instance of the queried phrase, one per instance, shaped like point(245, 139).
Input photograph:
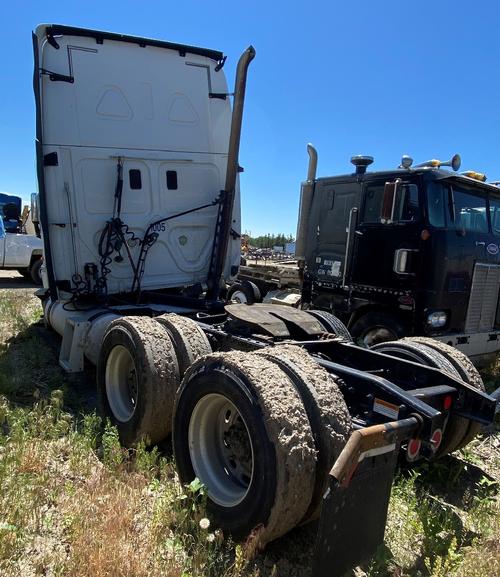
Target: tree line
point(270, 240)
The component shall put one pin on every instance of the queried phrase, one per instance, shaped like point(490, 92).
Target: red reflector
point(447, 402)
point(436, 439)
point(413, 449)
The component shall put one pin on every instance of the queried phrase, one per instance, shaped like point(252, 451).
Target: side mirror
point(389, 201)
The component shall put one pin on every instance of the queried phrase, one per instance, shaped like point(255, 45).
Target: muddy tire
point(190, 342)
point(456, 427)
point(137, 378)
point(331, 324)
point(467, 371)
point(377, 327)
point(241, 428)
point(326, 410)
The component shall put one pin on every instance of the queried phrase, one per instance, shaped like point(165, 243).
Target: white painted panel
point(151, 108)
point(131, 97)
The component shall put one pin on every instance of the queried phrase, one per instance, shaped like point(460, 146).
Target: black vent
point(172, 179)
point(135, 179)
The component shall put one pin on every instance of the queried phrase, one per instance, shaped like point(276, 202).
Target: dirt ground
point(11, 279)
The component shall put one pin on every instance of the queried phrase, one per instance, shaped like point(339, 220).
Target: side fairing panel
point(329, 221)
point(105, 104)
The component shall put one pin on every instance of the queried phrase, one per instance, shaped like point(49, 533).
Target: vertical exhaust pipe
point(224, 229)
point(306, 195)
point(313, 162)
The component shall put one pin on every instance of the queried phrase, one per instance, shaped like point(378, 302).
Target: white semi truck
point(274, 409)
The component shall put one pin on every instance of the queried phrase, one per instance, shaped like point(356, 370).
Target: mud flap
point(353, 518)
point(354, 510)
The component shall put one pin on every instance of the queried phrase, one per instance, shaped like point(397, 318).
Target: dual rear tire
point(260, 430)
point(468, 373)
point(459, 431)
point(140, 367)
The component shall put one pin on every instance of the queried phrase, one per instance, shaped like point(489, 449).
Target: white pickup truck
point(21, 252)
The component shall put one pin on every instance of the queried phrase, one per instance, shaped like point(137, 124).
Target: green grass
point(74, 503)
point(443, 517)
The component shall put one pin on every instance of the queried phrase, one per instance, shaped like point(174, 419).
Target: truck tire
point(326, 410)
point(241, 428)
point(456, 427)
point(332, 324)
point(34, 271)
point(190, 342)
point(376, 327)
point(244, 292)
point(137, 378)
point(468, 373)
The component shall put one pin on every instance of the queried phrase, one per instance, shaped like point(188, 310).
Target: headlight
point(437, 319)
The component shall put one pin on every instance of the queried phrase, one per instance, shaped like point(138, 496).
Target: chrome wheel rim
point(121, 383)
point(221, 449)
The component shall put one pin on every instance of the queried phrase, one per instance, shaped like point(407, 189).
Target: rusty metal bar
point(222, 243)
point(369, 442)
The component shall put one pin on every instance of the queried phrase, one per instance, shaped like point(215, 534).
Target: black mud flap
point(354, 510)
point(353, 518)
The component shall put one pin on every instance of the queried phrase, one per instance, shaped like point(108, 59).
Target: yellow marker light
point(475, 175)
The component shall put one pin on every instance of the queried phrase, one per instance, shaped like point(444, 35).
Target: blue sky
point(383, 78)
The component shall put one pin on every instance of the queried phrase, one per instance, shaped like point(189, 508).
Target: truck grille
point(483, 298)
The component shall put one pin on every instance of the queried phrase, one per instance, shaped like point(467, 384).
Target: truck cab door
point(376, 241)
point(16, 250)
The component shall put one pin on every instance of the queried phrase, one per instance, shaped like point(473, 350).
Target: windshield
point(458, 208)
point(406, 207)
point(9, 200)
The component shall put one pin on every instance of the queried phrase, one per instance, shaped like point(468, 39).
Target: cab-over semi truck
point(404, 252)
point(411, 251)
point(274, 409)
